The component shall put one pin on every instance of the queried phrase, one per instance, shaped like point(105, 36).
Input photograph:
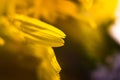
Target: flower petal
point(38, 23)
point(40, 32)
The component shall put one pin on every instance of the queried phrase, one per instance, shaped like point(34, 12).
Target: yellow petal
point(49, 68)
point(38, 23)
point(44, 39)
point(38, 31)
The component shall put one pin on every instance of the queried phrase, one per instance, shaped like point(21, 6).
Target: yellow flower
point(19, 31)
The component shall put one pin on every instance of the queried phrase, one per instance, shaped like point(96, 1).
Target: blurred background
point(92, 45)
